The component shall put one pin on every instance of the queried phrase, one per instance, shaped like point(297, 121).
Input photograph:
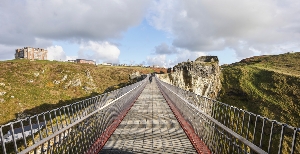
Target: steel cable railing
point(69, 129)
point(227, 129)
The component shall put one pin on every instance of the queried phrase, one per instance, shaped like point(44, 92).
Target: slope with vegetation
point(30, 87)
point(265, 85)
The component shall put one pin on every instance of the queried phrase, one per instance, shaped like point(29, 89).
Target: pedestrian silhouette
point(150, 78)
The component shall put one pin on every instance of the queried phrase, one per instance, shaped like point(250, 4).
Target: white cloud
point(164, 59)
point(185, 55)
point(34, 22)
point(160, 15)
point(68, 19)
point(71, 57)
point(159, 60)
point(269, 26)
point(99, 51)
point(56, 53)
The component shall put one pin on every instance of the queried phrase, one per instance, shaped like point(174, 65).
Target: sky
point(150, 32)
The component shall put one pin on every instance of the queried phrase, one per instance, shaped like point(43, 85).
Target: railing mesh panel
point(69, 129)
point(218, 125)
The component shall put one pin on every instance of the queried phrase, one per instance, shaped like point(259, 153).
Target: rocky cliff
point(201, 76)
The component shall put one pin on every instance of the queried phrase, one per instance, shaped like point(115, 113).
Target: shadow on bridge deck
point(149, 127)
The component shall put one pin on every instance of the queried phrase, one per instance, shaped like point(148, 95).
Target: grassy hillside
point(29, 87)
point(265, 85)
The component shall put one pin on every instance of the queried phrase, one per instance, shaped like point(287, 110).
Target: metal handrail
point(76, 127)
point(68, 129)
point(227, 129)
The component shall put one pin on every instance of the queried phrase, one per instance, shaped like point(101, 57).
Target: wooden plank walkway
point(149, 127)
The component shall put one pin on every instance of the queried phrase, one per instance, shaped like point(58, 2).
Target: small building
point(31, 53)
point(72, 61)
point(107, 64)
point(84, 61)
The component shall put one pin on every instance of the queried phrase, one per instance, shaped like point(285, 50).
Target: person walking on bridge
point(150, 78)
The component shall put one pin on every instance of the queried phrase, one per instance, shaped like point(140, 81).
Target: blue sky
point(139, 41)
point(150, 32)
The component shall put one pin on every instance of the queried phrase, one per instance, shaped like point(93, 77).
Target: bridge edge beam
point(198, 144)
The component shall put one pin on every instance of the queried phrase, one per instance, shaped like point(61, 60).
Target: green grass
point(26, 92)
point(268, 86)
point(284, 63)
point(265, 86)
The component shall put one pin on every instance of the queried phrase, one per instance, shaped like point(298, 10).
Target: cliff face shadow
point(30, 118)
point(123, 84)
point(187, 78)
point(47, 106)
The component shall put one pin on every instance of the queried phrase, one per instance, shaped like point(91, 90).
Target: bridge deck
point(149, 127)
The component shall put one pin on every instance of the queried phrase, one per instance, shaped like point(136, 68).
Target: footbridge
point(148, 118)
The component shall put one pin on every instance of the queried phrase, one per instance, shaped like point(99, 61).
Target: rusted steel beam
point(198, 144)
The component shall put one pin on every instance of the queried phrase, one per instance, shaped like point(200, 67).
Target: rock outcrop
point(134, 75)
point(137, 76)
point(201, 76)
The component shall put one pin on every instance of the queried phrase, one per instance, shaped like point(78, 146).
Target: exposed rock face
point(137, 76)
point(134, 75)
point(201, 76)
